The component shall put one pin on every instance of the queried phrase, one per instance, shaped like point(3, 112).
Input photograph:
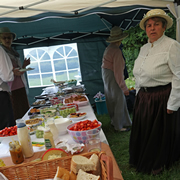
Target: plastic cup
point(93, 143)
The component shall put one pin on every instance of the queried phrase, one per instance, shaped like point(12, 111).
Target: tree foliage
point(136, 39)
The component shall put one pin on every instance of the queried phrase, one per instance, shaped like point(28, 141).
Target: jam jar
point(16, 152)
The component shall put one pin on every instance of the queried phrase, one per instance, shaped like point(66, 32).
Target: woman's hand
point(169, 111)
point(26, 62)
point(126, 93)
point(17, 72)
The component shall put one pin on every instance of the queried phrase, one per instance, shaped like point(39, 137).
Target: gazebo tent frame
point(53, 22)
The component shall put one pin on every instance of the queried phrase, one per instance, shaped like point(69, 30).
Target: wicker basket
point(47, 169)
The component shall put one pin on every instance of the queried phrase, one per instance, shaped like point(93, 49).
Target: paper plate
point(24, 70)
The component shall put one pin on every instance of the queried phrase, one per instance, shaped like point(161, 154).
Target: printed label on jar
point(48, 144)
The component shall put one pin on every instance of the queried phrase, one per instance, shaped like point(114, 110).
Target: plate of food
point(54, 153)
point(77, 116)
point(40, 103)
point(80, 100)
point(34, 122)
point(34, 111)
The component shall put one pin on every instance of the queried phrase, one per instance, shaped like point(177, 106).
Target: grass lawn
point(119, 144)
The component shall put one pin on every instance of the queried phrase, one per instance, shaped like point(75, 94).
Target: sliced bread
point(62, 174)
point(80, 162)
point(72, 176)
point(86, 176)
point(95, 159)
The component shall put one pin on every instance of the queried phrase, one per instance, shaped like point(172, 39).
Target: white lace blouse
point(158, 64)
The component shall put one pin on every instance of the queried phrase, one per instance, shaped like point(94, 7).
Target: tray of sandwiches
point(90, 165)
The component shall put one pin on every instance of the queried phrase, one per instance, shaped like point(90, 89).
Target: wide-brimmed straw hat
point(7, 30)
point(156, 13)
point(116, 34)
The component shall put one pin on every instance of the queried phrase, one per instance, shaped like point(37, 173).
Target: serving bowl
point(81, 136)
point(54, 153)
point(61, 124)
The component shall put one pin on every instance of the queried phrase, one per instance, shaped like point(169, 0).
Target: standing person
point(155, 133)
point(18, 92)
point(6, 74)
point(113, 77)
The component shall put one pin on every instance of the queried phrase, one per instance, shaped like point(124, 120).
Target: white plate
point(78, 118)
point(28, 69)
point(36, 124)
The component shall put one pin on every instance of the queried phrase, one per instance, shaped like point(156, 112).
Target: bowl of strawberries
point(78, 130)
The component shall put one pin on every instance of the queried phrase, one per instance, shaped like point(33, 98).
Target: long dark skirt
point(6, 111)
point(155, 135)
point(19, 102)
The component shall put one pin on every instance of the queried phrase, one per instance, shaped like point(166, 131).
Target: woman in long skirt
point(114, 85)
point(155, 134)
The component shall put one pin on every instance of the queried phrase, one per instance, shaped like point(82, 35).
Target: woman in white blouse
point(155, 134)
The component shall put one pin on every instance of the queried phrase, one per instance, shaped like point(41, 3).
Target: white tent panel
point(22, 8)
point(175, 10)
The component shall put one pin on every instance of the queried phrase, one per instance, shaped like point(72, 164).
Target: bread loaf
point(95, 159)
point(86, 176)
point(80, 162)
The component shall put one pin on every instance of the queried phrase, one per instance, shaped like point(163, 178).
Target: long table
point(4, 146)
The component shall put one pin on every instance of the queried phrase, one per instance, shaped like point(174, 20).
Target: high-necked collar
point(156, 42)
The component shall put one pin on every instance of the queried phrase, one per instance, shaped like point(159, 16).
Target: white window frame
point(51, 50)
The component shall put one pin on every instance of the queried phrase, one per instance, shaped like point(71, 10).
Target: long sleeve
point(174, 64)
point(118, 66)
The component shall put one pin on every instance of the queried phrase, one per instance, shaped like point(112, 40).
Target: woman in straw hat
point(114, 85)
point(18, 92)
point(155, 133)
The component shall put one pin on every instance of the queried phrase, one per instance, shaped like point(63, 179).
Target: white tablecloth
point(4, 146)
